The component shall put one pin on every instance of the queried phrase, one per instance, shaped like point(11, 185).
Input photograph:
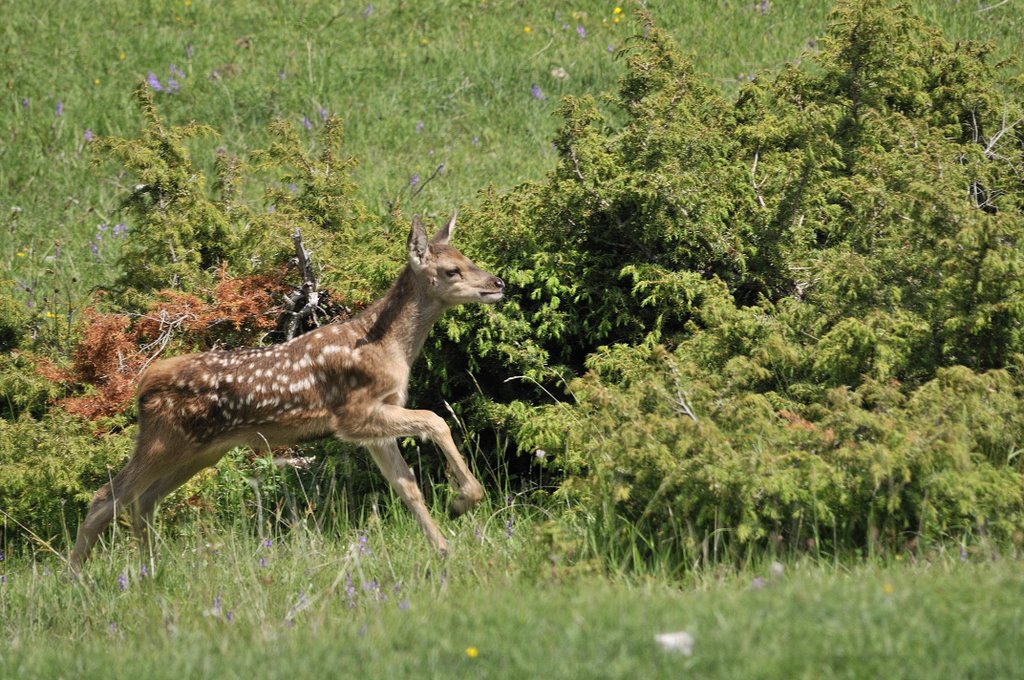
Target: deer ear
point(417, 242)
point(444, 234)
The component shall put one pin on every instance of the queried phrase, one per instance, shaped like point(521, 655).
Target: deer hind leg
point(142, 518)
point(398, 473)
point(121, 492)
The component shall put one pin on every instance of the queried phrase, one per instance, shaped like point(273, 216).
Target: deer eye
point(453, 272)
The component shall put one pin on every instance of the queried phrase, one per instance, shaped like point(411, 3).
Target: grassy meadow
point(439, 100)
point(373, 602)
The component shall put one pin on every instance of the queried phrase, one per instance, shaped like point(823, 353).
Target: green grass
point(327, 605)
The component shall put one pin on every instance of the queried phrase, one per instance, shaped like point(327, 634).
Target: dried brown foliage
point(115, 348)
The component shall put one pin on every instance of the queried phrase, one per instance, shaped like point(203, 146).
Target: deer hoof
point(465, 501)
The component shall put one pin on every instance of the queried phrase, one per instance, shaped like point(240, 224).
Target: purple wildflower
point(46, 570)
point(281, 74)
point(24, 102)
point(509, 525)
point(143, 571)
point(113, 627)
point(94, 247)
point(581, 32)
point(153, 81)
point(963, 554)
point(176, 72)
point(216, 608)
point(535, 91)
point(3, 579)
point(414, 180)
point(306, 123)
point(263, 562)
point(403, 605)
point(368, 11)
point(267, 542)
point(172, 85)
point(1, 555)
point(611, 48)
point(419, 126)
point(323, 113)
point(122, 581)
point(189, 51)
point(350, 591)
point(230, 616)
point(363, 547)
point(121, 229)
point(758, 583)
point(58, 110)
point(87, 135)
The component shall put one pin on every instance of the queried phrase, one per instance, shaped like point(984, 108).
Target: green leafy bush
point(49, 469)
point(831, 261)
point(668, 458)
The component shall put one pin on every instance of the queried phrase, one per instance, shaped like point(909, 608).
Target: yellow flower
point(96, 81)
point(50, 315)
point(20, 254)
point(616, 20)
point(617, 10)
point(424, 42)
point(472, 652)
point(120, 56)
point(888, 589)
point(188, 3)
point(527, 29)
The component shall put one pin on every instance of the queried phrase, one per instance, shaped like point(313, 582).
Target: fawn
point(348, 380)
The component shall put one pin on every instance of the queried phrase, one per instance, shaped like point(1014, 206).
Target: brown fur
point(349, 380)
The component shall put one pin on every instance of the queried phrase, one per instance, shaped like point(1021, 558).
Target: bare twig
point(437, 171)
point(681, 403)
point(576, 164)
point(304, 301)
point(753, 179)
point(995, 138)
point(989, 8)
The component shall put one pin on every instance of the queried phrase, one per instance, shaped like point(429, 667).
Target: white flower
point(681, 642)
point(776, 569)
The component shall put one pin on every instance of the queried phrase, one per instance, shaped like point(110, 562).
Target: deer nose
point(498, 283)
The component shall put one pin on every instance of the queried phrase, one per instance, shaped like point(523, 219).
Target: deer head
point(450, 277)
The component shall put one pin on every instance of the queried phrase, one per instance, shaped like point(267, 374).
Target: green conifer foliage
point(802, 310)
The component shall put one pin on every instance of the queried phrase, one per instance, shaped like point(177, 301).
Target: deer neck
point(402, 318)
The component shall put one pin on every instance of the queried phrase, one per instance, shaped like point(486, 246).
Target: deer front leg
point(390, 421)
point(398, 473)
